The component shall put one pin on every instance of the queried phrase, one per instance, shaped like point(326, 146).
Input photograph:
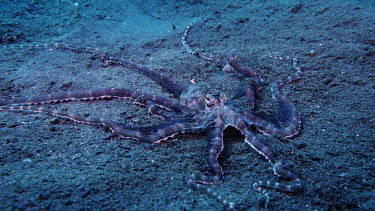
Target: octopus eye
point(208, 98)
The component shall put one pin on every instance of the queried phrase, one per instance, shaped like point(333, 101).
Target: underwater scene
point(187, 105)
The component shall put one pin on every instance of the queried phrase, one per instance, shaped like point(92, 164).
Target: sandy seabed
point(52, 163)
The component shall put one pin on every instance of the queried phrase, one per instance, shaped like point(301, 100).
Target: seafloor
point(52, 163)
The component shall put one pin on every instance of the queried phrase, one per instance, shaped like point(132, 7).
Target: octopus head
point(201, 96)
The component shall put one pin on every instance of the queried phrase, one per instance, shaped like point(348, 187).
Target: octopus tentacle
point(215, 146)
point(246, 72)
point(54, 46)
point(294, 119)
point(145, 134)
point(159, 111)
point(250, 84)
point(295, 183)
point(196, 52)
point(105, 94)
point(165, 81)
point(246, 89)
point(284, 104)
point(268, 128)
point(255, 143)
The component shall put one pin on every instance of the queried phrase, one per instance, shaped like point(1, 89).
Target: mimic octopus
point(201, 108)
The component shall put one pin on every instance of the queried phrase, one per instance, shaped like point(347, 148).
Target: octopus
point(201, 109)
